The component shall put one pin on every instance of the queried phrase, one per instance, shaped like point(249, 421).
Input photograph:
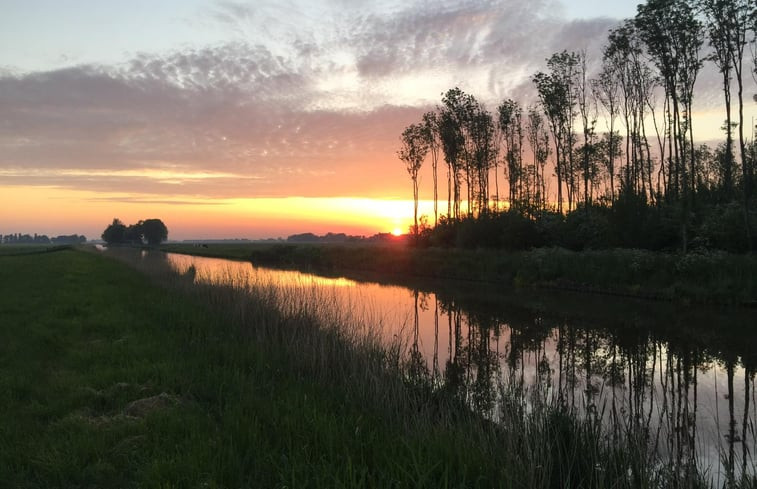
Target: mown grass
point(708, 278)
point(241, 387)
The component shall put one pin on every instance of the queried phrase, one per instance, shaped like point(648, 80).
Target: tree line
point(642, 172)
point(151, 231)
point(18, 238)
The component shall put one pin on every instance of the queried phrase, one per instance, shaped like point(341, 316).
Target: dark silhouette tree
point(606, 91)
point(451, 139)
point(720, 33)
point(134, 233)
point(557, 96)
point(154, 231)
point(669, 194)
point(509, 119)
point(623, 57)
point(433, 138)
point(115, 233)
point(728, 23)
point(452, 131)
point(482, 137)
point(673, 36)
point(587, 111)
point(538, 139)
point(413, 150)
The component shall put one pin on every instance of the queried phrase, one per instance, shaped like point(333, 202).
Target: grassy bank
point(111, 378)
point(717, 278)
point(111, 381)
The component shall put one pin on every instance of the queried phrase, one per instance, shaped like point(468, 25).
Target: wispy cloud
point(124, 199)
point(309, 100)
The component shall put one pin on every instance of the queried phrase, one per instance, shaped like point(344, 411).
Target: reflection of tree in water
point(643, 388)
point(417, 363)
point(470, 369)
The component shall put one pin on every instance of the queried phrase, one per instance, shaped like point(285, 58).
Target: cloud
point(125, 199)
point(496, 40)
point(314, 110)
point(235, 109)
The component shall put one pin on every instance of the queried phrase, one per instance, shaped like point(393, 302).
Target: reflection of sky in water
point(442, 337)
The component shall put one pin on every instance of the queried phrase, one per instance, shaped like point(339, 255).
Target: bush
point(722, 228)
point(587, 228)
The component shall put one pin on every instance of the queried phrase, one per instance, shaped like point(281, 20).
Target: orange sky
point(26, 209)
point(58, 207)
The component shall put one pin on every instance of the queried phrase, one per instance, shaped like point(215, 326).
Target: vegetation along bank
point(707, 277)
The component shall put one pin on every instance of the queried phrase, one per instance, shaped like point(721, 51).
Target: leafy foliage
point(151, 230)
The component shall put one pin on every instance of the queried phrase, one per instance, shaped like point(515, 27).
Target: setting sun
point(397, 232)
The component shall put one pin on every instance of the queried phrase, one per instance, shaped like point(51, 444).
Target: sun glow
point(364, 216)
point(54, 211)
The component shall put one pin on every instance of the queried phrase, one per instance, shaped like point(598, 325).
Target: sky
point(254, 119)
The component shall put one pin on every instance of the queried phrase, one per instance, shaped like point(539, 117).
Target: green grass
point(83, 336)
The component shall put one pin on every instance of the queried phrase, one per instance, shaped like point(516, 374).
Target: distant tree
point(557, 94)
point(588, 114)
point(413, 150)
point(720, 34)
point(154, 231)
point(729, 22)
point(303, 238)
point(69, 239)
point(509, 121)
point(134, 233)
point(538, 138)
point(453, 147)
point(481, 131)
point(115, 233)
point(431, 131)
point(673, 36)
point(606, 87)
point(624, 60)
point(457, 111)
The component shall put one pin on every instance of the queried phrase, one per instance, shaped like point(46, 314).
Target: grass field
point(112, 378)
point(84, 337)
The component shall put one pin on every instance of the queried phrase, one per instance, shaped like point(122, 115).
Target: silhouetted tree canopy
point(154, 231)
point(115, 233)
point(640, 182)
point(151, 230)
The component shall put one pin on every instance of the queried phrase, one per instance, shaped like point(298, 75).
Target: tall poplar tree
point(413, 149)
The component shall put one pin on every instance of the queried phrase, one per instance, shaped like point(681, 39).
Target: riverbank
point(114, 378)
point(109, 380)
point(704, 278)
